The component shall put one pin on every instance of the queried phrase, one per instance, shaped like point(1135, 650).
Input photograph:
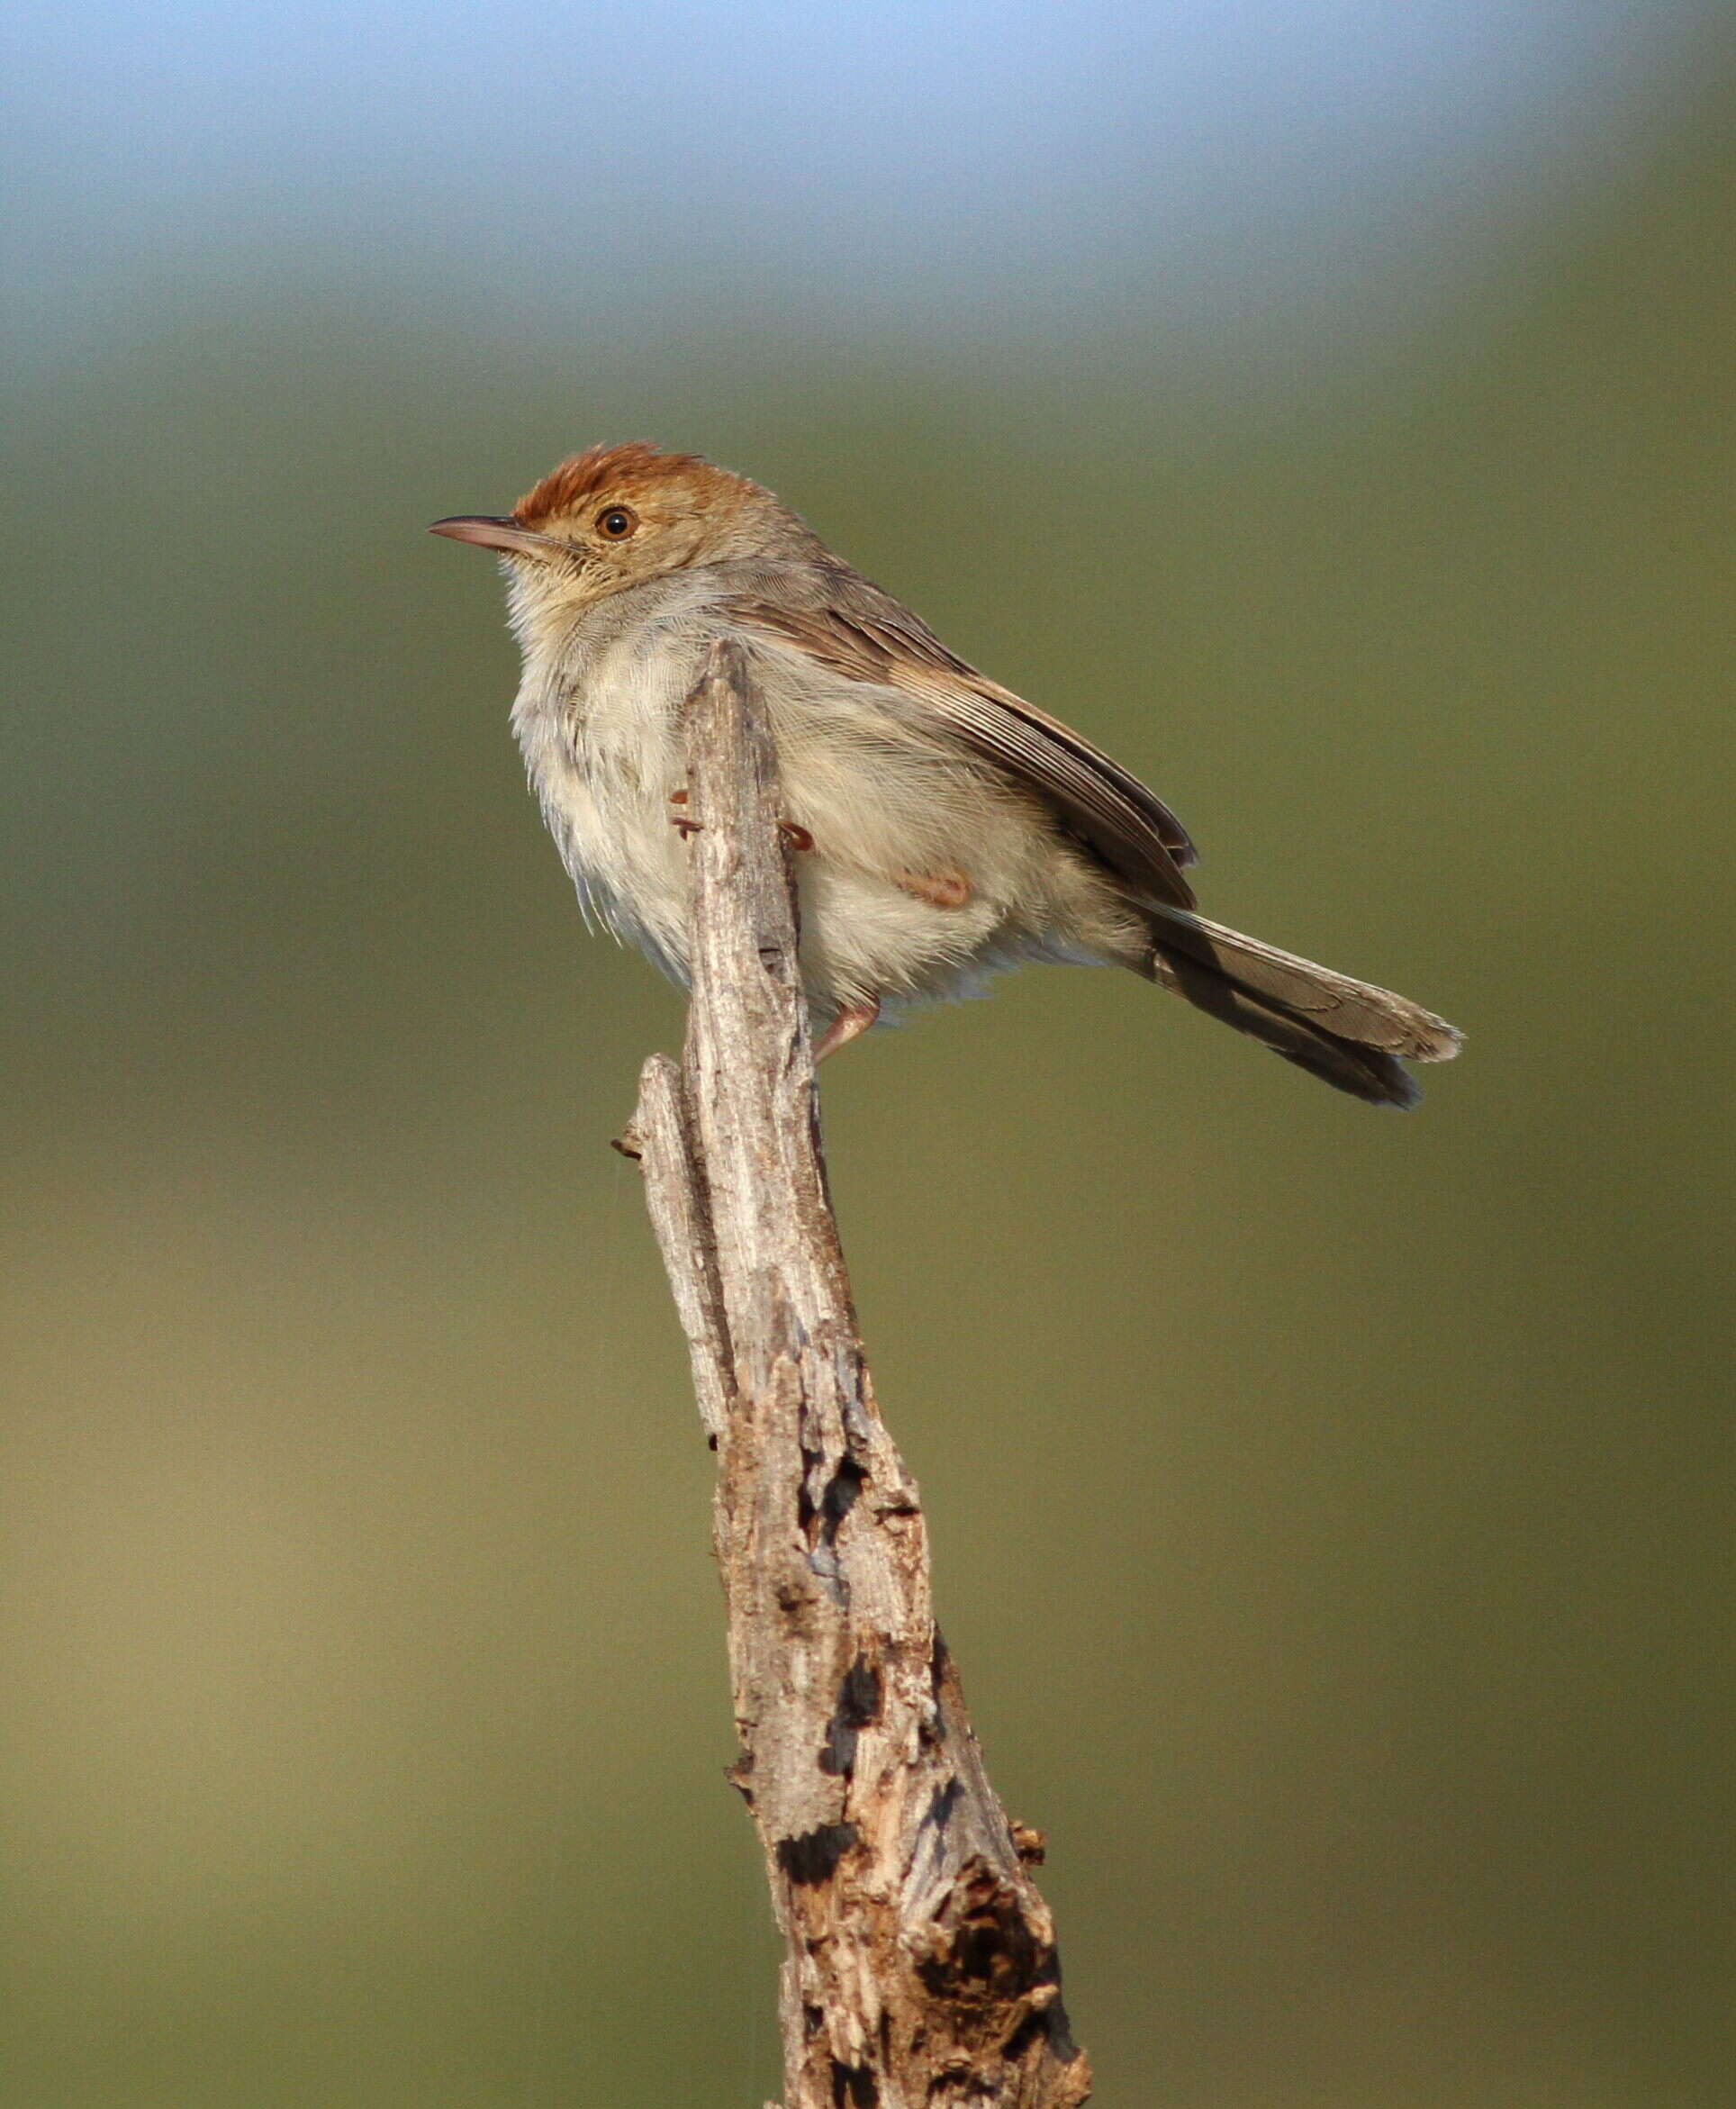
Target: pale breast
point(601, 753)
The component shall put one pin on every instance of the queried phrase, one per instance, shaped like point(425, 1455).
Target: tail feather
point(1346, 1032)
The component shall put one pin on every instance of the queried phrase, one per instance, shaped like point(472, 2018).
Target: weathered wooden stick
point(921, 1969)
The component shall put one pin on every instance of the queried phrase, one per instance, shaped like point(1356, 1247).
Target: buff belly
point(869, 931)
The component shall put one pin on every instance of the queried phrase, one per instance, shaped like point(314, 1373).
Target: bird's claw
point(796, 835)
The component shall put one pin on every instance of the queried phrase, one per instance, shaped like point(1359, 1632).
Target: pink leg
point(851, 1022)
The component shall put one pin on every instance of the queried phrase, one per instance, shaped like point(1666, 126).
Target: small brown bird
point(944, 828)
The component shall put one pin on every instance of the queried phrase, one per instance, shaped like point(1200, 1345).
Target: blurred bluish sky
point(967, 168)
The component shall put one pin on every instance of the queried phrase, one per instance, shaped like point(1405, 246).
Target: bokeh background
point(1326, 406)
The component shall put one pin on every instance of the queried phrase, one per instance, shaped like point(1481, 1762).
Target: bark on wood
point(921, 1970)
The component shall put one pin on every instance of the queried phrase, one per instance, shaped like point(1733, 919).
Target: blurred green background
point(1332, 1511)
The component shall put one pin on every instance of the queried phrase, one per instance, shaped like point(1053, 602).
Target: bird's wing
point(849, 626)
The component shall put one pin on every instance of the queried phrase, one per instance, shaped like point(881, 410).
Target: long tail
point(1353, 1035)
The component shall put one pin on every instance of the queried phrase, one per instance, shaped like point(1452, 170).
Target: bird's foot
point(798, 837)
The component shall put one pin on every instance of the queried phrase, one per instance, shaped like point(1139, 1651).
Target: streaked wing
point(852, 627)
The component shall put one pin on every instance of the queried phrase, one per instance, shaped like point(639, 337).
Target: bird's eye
point(616, 523)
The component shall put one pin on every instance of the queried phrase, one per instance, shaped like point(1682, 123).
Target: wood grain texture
point(920, 1969)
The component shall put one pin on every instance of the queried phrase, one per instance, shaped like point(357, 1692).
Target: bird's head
point(617, 517)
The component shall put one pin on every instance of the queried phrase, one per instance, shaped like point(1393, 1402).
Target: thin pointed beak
point(489, 533)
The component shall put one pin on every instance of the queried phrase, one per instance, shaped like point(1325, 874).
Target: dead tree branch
point(921, 1970)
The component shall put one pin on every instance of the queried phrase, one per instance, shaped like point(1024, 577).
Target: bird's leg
point(680, 822)
point(852, 1021)
point(947, 888)
point(799, 839)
